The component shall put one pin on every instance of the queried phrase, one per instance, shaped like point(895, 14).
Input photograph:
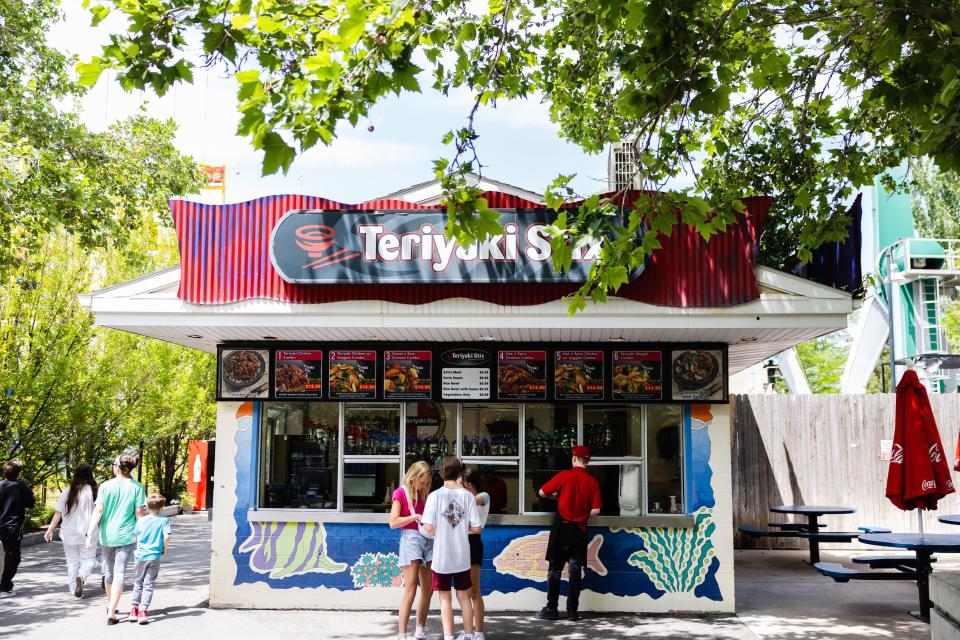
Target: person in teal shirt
point(120, 501)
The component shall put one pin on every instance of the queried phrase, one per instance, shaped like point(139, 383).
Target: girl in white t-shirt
point(473, 482)
point(74, 509)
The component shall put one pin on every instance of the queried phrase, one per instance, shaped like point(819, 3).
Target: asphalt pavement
point(778, 598)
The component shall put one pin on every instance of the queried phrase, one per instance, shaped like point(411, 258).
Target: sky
point(518, 144)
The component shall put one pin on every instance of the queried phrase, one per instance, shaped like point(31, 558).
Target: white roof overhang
point(790, 310)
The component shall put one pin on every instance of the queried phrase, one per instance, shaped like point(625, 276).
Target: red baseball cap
point(581, 452)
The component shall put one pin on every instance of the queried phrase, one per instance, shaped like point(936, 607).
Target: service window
point(502, 482)
point(431, 431)
point(637, 457)
point(491, 431)
point(299, 465)
point(550, 433)
point(371, 456)
point(615, 431)
point(664, 464)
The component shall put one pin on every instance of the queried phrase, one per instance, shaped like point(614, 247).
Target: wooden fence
point(824, 449)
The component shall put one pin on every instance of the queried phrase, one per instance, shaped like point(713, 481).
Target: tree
point(806, 101)
point(936, 201)
point(936, 214)
point(71, 393)
point(822, 362)
point(54, 172)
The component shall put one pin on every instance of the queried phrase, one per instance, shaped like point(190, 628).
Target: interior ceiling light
point(270, 338)
point(487, 338)
point(194, 336)
point(617, 339)
point(369, 336)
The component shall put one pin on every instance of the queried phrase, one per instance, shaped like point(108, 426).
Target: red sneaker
point(143, 617)
point(134, 612)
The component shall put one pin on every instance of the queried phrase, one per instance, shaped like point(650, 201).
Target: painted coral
point(377, 570)
point(676, 560)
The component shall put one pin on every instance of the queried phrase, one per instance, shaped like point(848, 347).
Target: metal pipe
point(893, 364)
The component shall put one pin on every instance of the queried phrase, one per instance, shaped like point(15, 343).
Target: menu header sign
point(488, 372)
point(310, 246)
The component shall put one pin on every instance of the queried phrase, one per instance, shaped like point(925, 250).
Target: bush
point(39, 517)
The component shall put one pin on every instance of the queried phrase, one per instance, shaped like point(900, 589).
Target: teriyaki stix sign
point(412, 247)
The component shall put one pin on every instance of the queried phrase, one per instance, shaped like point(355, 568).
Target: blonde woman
point(416, 550)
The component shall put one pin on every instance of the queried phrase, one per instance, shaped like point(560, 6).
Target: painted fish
point(284, 549)
point(525, 558)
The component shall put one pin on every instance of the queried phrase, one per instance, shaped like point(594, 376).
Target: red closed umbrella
point(919, 473)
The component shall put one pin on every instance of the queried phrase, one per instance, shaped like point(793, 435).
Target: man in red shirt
point(578, 494)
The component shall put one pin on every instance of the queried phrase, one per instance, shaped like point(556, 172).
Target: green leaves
point(81, 394)
point(89, 72)
point(277, 154)
point(803, 102)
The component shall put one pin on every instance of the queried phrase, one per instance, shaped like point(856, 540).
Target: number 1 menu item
point(353, 375)
point(522, 375)
point(578, 375)
point(407, 375)
point(637, 375)
point(298, 374)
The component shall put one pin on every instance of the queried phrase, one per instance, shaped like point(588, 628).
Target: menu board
point(697, 375)
point(578, 375)
point(465, 384)
point(465, 374)
point(298, 374)
point(637, 375)
point(507, 372)
point(407, 375)
point(352, 375)
point(522, 375)
point(244, 373)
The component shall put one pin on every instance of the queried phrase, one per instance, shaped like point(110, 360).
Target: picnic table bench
point(908, 567)
point(812, 530)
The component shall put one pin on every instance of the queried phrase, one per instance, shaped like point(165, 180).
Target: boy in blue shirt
point(153, 533)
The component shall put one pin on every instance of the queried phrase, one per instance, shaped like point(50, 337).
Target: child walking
point(450, 516)
point(473, 482)
point(153, 534)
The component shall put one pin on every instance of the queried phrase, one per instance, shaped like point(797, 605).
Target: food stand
point(353, 340)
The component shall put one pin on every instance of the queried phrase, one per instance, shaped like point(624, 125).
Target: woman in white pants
point(74, 509)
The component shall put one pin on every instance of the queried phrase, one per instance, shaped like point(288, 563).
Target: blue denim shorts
point(414, 546)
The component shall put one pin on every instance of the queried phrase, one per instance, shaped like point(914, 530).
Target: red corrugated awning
point(225, 257)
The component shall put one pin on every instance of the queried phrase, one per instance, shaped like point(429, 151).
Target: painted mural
point(676, 560)
point(282, 549)
point(524, 557)
point(377, 570)
point(652, 561)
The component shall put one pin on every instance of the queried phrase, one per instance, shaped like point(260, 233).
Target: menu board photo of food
point(352, 375)
point(578, 375)
point(407, 375)
point(522, 375)
point(298, 374)
point(244, 373)
point(697, 375)
point(637, 375)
